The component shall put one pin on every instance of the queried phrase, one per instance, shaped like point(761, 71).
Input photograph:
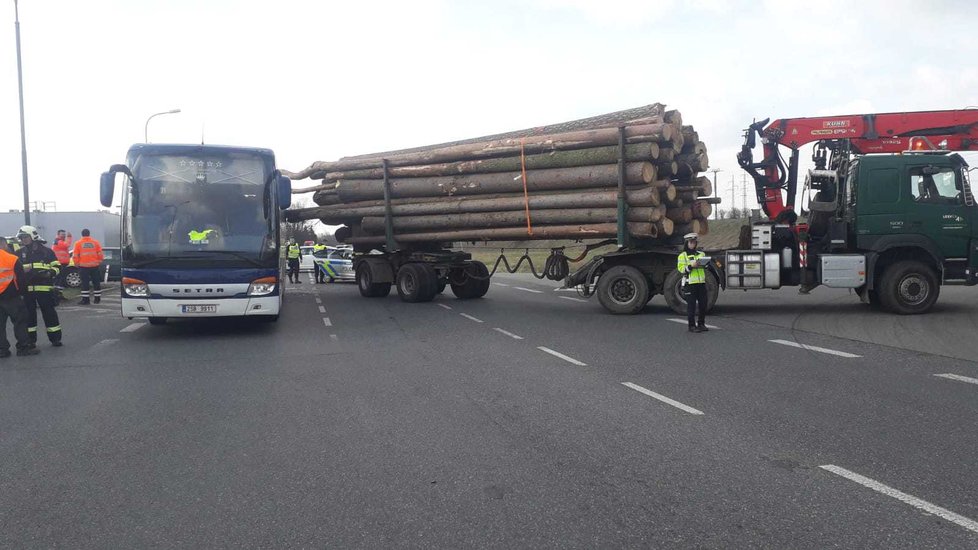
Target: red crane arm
point(872, 133)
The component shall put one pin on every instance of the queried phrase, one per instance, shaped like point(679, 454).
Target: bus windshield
point(206, 206)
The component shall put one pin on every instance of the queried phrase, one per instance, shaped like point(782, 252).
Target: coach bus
point(200, 231)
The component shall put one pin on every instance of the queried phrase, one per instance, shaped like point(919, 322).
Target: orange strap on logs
point(526, 192)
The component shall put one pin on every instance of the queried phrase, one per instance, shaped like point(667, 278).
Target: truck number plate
point(199, 308)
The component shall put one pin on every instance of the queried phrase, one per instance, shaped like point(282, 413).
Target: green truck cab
point(914, 217)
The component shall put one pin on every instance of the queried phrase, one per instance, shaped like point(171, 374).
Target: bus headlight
point(135, 288)
point(263, 286)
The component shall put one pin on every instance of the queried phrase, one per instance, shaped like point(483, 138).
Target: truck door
point(938, 210)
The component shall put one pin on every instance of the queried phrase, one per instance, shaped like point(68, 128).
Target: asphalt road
point(528, 418)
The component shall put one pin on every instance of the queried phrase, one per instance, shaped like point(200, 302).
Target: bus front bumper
point(222, 307)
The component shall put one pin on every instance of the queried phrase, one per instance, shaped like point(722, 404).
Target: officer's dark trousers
point(293, 269)
point(44, 301)
point(90, 276)
point(696, 304)
point(12, 307)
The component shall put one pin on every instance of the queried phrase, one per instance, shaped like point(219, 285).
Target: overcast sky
point(321, 80)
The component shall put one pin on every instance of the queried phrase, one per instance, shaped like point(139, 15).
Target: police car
point(336, 263)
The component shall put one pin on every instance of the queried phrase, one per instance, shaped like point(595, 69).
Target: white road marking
point(958, 377)
point(562, 356)
point(562, 289)
point(444, 306)
point(943, 513)
point(327, 322)
point(333, 337)
point(662, 398)
point(685, 321)
point(500, 284)
point(528, 290)
point(814, 348)
point(510, 334)
point(322, 309)
point(103, 343)
point(133, 327)
point(319, 300)
point(574, 299)
point(471, 318)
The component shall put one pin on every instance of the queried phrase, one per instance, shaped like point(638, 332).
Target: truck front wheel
point(908, 288)
point(623, 290)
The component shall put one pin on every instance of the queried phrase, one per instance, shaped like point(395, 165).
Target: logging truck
point(891, 214)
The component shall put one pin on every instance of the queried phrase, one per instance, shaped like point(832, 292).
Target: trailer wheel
point(623, 290)
point(908, 288)
point(368, 288)
point(470, 286)
point(673, 295)
point(416, 283)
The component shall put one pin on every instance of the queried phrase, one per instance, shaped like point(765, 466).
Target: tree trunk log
point(680, 215)
point(584, 231)
point(451, 222)
point(583, 139)
point(634, 152)
point(552, 179)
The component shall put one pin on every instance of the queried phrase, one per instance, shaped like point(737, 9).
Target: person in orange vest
point(88, 258)
point(12, 285)
point(62, 251)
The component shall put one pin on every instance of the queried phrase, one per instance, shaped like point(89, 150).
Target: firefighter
point(41, 267)
point(320, 269)
point(12, 285)
point(62, 251)
point(88, 257)
point(691, 265)
point(292, 254)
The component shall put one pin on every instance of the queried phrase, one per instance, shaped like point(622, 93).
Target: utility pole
point(743, 193)
point(716, 191)
point(23, 134)
point(733, 191)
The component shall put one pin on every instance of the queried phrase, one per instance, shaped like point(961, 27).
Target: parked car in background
point(336, 263)
point(112, 263)
point(306, 262)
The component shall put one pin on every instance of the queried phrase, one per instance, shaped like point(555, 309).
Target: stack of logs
point(474, 190)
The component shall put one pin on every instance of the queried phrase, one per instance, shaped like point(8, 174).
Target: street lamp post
point(23, 135)
point(146, 128)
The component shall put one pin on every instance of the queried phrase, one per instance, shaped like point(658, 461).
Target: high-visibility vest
point(694, 275)
point(7, 275)
point(292, 252)
point(88, 253)
point(61, 250)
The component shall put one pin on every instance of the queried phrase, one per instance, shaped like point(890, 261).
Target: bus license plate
point(199, 309)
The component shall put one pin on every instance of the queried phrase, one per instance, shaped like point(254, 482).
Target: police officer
point(691, 264)
point(41, 268)
point(292, 254)
point(320, 269)
point(12, 286)
point(88, 257)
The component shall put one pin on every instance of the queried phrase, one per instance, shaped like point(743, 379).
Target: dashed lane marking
point(333, 337)
point(444, 306)
point(943, 513)
point(571, 298)
point(528, 290)
point(322, 309)
point(562, 356)
point(507, 333)
point(662, 398)
point(327, 322)
point(684, 321)
point(814, 348)
point(958, 377)
point(319, 300)
point(471, 318)
point(500, 284)
point(133, 327)
point(562, 289)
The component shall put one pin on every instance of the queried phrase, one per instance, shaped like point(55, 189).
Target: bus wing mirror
point(284, 192)
point(107, 183)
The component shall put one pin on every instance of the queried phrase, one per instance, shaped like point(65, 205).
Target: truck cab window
point(941, 187)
